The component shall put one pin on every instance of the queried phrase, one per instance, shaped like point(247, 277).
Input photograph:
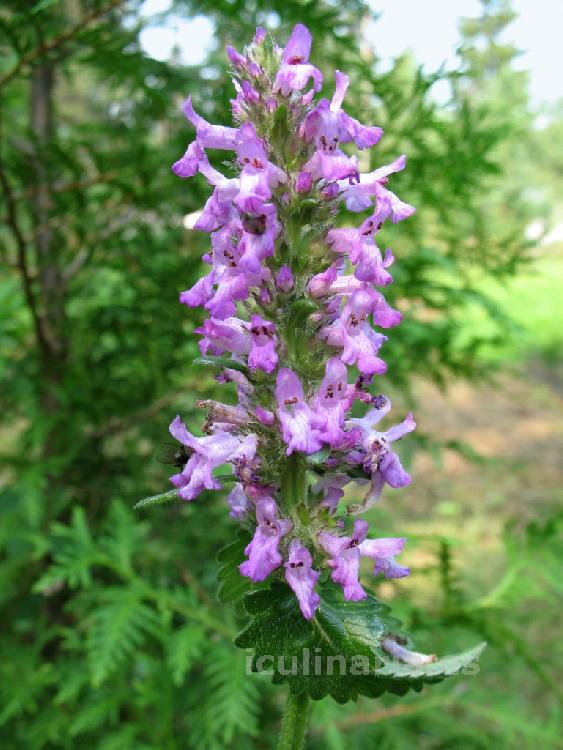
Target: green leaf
point(74, 554)
point(221, 362)
point(232, 586)
point(182, 648)
point(319, 457)
point(117, 628)
point(338, 652)
point(162, 499)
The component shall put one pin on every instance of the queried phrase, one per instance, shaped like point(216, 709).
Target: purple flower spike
point(278, 293)
point(299, 422)
point(345, 559)
point(302, 578)
point(262, 354)
point(262, 552)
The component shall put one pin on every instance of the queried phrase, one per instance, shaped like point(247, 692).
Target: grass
point(533, 300)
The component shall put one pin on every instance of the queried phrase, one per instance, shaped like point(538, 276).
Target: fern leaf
point(117, 628)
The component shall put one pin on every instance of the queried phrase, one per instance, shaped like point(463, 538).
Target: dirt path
point(517, 425)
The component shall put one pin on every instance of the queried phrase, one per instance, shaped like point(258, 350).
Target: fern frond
point(117, 628)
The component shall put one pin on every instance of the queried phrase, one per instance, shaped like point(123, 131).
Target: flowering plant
point(291, 302)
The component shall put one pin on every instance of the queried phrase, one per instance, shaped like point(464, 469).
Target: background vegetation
point(111, 635)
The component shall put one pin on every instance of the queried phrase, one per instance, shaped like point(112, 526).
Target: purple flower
point(262, 552)
point(331, 164)
point(363, 300)
point(259, 176)
point(398, 651)
point(383, 552)
point(208, 135)
point(265, 416)
point(304, 182)
point(350, 129)
point(190, 162)
point(328, 126)
point(357, 195)
point(320, 284)
point(239, 503)
point(232, 287)
point(238, 60)
point(219, 209)
point(208, 453)
point(230, 334)
point(251, 96)
point(302, 578)
point(331, 486)
point(259, 35)
point(200, 293)
point(330, 402)
point(295, 70)
point(345, 553)
point(359, 342)
point(345, 559)
point(257, 243)
point(243, 63)
point(299, 422)
point(262, 354)
point(284, 279)
point(379, 461)
point(364, 254)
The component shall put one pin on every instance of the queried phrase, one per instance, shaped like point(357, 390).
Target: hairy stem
point(294, 726)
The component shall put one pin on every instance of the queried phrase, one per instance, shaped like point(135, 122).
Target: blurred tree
point(111, 635)
point(490, 83)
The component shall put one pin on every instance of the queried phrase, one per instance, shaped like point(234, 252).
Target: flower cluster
point(291, 302)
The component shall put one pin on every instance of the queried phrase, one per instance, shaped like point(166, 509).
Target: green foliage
point(339, 652)
point(232, 586)
point(163, 499)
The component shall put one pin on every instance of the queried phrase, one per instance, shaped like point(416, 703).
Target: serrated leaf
point(338, 652)
point(166, 497)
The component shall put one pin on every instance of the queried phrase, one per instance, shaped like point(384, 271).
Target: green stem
point(294, 482)
point(294, 725)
